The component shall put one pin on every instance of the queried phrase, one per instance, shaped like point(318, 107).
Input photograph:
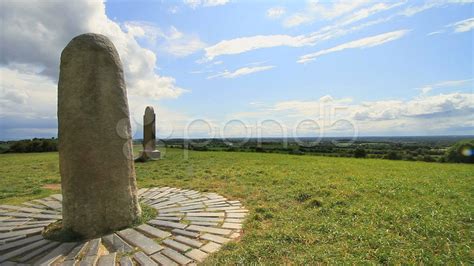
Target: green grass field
point(306, 209)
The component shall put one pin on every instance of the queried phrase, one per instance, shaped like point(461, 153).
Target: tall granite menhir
point(149, 137)
point(95, 141)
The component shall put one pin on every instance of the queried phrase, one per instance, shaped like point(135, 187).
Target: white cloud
point(339, 28)
point(446, 84)
point(38, 36)
point(172, 41)
point(361, 43)
point(323, 11)
point(204, 3)
point(240, 72)
point(275, 12)
point(415, 9)
point(464, 25)
point(245, 44)
point(420, 115)
point(32, 39)
point(456, 27)
point(24, 93)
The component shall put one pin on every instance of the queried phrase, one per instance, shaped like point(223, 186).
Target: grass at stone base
point(306, 209)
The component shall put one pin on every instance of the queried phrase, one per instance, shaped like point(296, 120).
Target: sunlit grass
point(306, 209)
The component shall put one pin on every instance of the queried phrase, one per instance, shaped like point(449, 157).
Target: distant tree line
point(427, 149)
point(413, 149)
point(29, 145)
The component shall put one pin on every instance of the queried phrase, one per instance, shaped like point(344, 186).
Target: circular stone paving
point(189, 226)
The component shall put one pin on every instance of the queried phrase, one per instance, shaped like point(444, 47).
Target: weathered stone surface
point(214, 238)
point(144, 243)
point(185, 233)
point(21, 242)
point(232, 226)
point(117, 244)
point(38, 251)
point(163, 241)
point(21, 232)
point(163, 260)
point(149, 136)
point(76, 251)
point(55, 254)
point(211, 247)
point(197, 255)
point(93, 248)
point(154, 232)
point(188, 241)
point(126, 261)
point(212, 230)
point(176, 245)
point(107, 260)
point(95, 144)
point(23, 250)
point(176, 256)
point(144, 260)
point(167, 224)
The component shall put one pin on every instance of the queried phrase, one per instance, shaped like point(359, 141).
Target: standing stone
point(95, 140)
point(149, 136)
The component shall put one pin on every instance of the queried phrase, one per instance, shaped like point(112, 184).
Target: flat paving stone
point(107, 260)
point(197, 255)
point(213, 230)
point(185, 233)
point(154, 232)
point(205, 214)
point(23, 250)
point(204, 223)
point(236, 215)
point(190, 225)
point(176, 245)
point(88, 261)
point(26, 232)
point(176, 256)
point(192, 207)
point(144, 243)
point(169, 218)
point(188, 241)
point(167, 224)
point(204, 219)
point(93, 247)
point(116, 243)
point(144, 260)
point(215, 238)
point(232, 226)
point(126, 261)
point(211, 247)
point(37, 252)
point(163, 260)
point(52, 256)
point(21, 242)
point(74, 254)
point(11, 239)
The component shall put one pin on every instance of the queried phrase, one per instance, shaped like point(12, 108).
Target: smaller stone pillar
point(149, 137)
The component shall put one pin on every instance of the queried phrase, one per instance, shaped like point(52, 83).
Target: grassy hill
point(305, 209)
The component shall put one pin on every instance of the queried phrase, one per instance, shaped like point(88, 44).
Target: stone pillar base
point(149, 155)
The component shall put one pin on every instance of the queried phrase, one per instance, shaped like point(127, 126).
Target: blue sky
point(352, 67)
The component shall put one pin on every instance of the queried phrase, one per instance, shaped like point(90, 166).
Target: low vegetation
point(427, 149)
point(306, 209)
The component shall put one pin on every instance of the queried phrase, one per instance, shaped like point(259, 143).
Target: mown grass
point(307, 209)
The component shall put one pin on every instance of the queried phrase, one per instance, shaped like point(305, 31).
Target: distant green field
point(306, 209)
